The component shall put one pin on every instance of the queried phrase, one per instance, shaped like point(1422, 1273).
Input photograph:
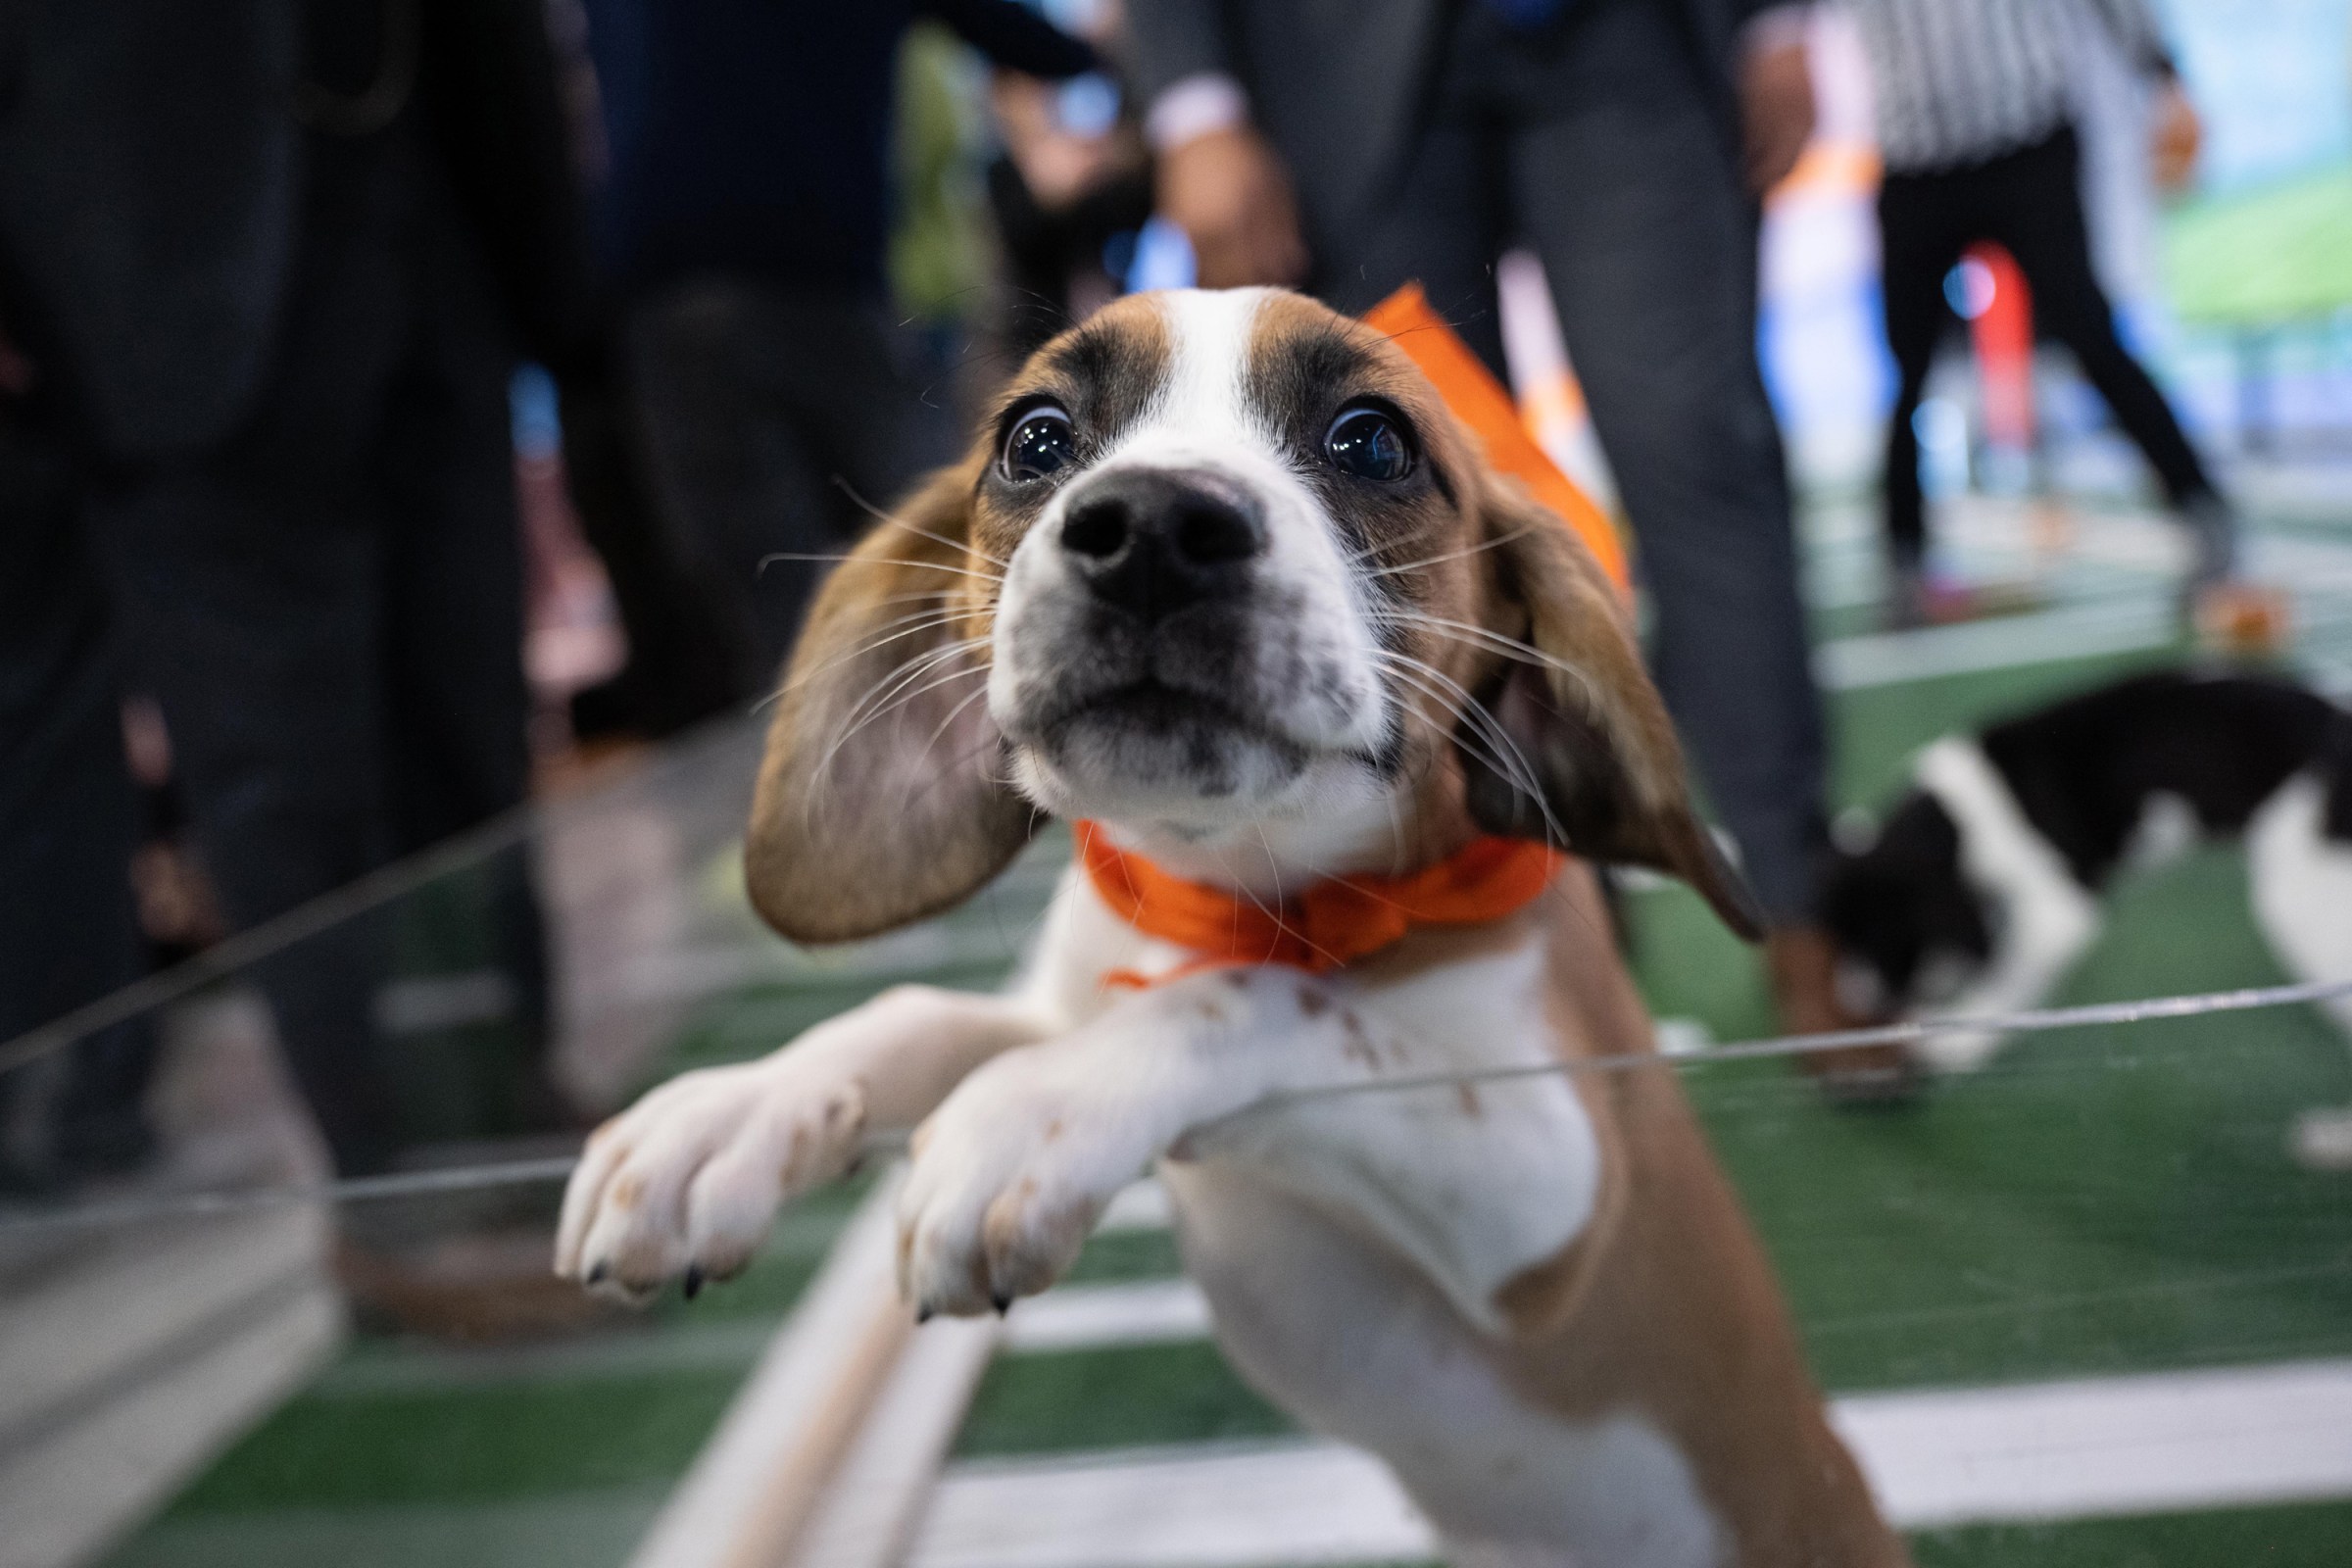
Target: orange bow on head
point(1328, 924)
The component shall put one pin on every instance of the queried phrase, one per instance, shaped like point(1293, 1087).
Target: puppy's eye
point(1367, 443)
point(1040, 445)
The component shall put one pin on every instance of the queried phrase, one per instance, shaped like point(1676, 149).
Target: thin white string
point(555, 1168)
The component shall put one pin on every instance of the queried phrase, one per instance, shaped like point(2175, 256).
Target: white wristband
point(1193, 106)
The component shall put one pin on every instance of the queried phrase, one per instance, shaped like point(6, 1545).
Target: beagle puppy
point(1988, 881)
point(1225, 580)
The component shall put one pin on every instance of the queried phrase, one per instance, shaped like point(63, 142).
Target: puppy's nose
point(1152, 543)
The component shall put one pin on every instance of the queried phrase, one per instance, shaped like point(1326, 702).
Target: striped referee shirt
point(1960, 82)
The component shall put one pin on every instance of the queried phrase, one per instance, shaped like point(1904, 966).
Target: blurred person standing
point(270, 261)
point(744, 219)
point(1977, 133)
point(1627, 142)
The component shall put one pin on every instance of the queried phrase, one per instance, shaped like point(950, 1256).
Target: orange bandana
point(1322, 927)
point(1481, 403)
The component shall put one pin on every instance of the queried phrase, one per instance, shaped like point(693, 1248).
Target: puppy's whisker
point(875, 702)
point(924, 621)
point(914, 773)
point(1503, 752)
point(880, 561)
point(907, 683)
point(1421, 525)
point(1513, 648)
point(911, 626)
point(1451, 555)
point(879, 515)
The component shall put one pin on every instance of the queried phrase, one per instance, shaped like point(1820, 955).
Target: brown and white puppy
point(1225, 576)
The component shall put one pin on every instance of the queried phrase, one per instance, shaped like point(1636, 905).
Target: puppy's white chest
point(1473, 1179)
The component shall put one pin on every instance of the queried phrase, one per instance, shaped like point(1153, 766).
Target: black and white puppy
point(1983, 885)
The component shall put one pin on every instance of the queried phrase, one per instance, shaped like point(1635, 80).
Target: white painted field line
point(2152, 1444)
point(1085, 1317)
point(2079, 631)
point(1204, 1506)
point(1139, 1206)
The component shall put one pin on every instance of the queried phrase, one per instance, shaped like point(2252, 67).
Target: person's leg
point(442, 462)
point(457, 707)
point(1921, 237)
point(250, 586)
point(873, 407)
point(2034, 208)
point(1440, 227)
point(737, 474)
point(682, 665)
point(1649, 242)
point(68, 825)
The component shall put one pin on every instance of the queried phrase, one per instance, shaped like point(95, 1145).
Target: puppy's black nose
point(1151, 543)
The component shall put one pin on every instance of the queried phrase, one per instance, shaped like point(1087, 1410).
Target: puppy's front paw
point(686, 1181)
point(1011, 1175)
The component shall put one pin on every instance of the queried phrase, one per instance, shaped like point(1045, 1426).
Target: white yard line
point(1141, 1206)
point(1082, 1317)
point(1207, 1506)
point(2105, 1447)
point(2044, 637)
point(2151, 1442)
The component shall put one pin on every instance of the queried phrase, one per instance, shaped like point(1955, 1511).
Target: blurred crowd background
point(410, 409)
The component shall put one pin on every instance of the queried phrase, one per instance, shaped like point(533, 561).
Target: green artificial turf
point(466, 1444)
point(2314, 1536)
point(1126, 1256)
point(1125, 1397)
point(2103, 1203)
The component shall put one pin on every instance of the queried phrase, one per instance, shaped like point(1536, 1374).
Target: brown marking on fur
point(1356, 1046)
point(627, 1192)
point(1052, 1130)
point(1460, 543)
point(1665, 1304)
point(1215, 1012)
point(1028, 1245)
point(1472, 1107)
point(868, 815)
point(1312, 1002)
point(1589, 722)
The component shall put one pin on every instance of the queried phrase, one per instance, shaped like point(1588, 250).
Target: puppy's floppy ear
point(1591, 763)
point(879, 798)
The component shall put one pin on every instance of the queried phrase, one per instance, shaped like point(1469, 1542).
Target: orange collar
point(1326, 925)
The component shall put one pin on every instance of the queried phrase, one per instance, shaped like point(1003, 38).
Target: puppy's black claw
point(922, 1315)
point(1003, 1303)
point(691, 1286)
point(598, 1275)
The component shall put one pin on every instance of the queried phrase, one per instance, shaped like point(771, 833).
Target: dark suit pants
point(2030, 201)
point(1593, 143)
